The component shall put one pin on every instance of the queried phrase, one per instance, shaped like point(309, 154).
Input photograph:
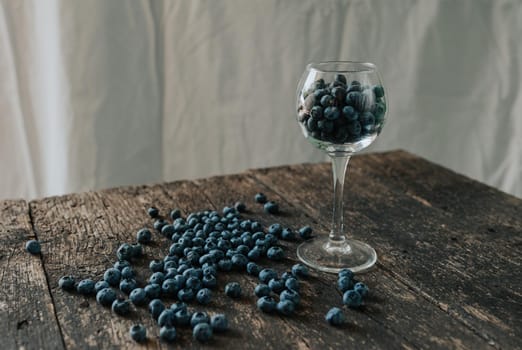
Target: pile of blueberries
point(340, 113)
point(203, 244)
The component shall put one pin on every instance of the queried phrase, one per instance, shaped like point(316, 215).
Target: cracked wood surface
point(447, 277)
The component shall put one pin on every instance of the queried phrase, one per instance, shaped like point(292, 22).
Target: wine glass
point(341, 108)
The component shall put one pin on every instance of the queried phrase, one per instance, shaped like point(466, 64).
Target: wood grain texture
point(456, 253)
point(27, 318)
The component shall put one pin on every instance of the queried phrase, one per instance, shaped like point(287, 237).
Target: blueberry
point(253, 268)
point(361, 288)
point(86, 287)
point(219, 323)
point(193, 283)
point(240, 207)
point(106, 296)
point(167, 334)
point(275, 229)
point(285, 307)
point(291, 295)
point(351, 298)
point(121, 307)
point(378, 111)
point(170, 287)
point(271, 207)
point(335, 316)
point(125, 252)
point(266, 275)
point(100, 285)
point(340, 78)
point(276, 285)
point(339, 92)
point(167, 231)
point(178, 306)
point(138, 296)
point(260, 198)
point(199, 317)
point(344, 283)
point(175, 214)
point(32, 246)
point(325, 125)
point(346, 273)
point(128, 285)
point(319, 93)
point(138, 333)
point(136, 250)
point(158, 224)
point(121, 264)
point(286, 275)
point(312, 124)
point(153, 212)
point(202, 332)
point(186, 295)
point(233, 290)
point(266, 304)
point(355, 129)
point(262, 290)
point(299, 270)
point(327, 101)
point(239, 261)
point(378, 90)
point(209, 281)
point(275, 253)
point(182, 317)
point(112, 276)
point(225, 264)
point(156, 265)
point(353, 98)
point(317, 112)
point(127, 272)
point(204, 296)
point(152, 290)
point(319, 84)
point(156, 307)
point(166, 318)
point(349, 113)
point(288, 234)
point(144, 236)
point(292, 284)
point(305, 232)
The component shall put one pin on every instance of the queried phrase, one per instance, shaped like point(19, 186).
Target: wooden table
point(448, 274)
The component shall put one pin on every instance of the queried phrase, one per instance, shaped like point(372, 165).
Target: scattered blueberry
point(240, 207)
point(183, 317)
point(300, 270)
point(128, 285)
point(33, 246)
point(199, 317)
point(166, 318)
point(204, 296)
point(112, 276)
point(276, 285)
point(127, 272)
point(121, 307)
point(260, 198)
point(138, 333)
point(292, 295)
point(305, 232)
point(335, 316)
point(167, 334)
point(351, 298)
point(266, 275)
point(344, 284)
point(275, 253)
point(67, 283)
point(361, 288)
point(292, 284)
point(144, 236)
point(262, 290)
point(288, 234)
point(175, 214)
point(153, 212)
point(138, 296)
point(121, 264)
point(186, 295)
point(266, 304)
point(346, 273)
point(271, 207)
point(233, 290)
point(202, 332)
point(106, 296)
point(285, 307)
point(219, 323)
point(100, 285)
point(156, 307)
point(86, 287)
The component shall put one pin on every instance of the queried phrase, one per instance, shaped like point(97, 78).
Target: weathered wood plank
point(387, 315)
point(27, 316)
point(430, 250)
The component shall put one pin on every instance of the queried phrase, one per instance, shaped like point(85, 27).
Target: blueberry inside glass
point(341, 109)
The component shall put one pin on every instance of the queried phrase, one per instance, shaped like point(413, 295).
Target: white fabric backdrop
point(102, 93)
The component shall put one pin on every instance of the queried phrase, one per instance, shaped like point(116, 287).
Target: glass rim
point(342, 66)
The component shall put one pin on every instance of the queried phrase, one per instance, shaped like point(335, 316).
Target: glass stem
point(339, 165)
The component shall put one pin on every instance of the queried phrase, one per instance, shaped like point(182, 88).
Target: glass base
point(321, 254)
